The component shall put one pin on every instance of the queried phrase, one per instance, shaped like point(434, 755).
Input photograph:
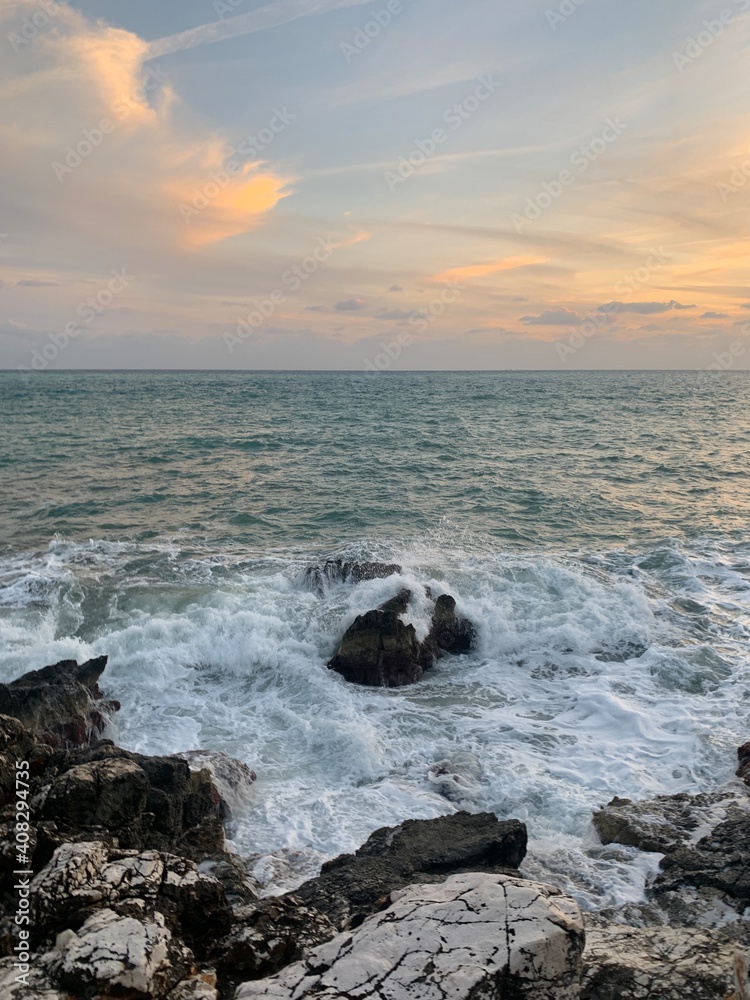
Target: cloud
point(270, 16)
point(395, 314)
point(484, 270)
point(33, 283)
point(715, 315)
point(554, 317)
point(350, 305)
point(316, 309)
point(395, 288)
point(643, 307)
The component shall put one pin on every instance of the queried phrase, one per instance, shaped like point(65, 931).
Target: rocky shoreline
point(116, 882)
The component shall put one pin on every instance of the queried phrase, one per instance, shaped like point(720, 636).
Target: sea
point(593, 525)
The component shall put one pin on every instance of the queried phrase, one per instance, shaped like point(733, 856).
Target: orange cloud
point(484, 270)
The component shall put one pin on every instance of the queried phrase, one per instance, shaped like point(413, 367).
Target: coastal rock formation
point(636, 963)
point(743, 763)
point(703, 839)
point(378, 649)
point(338, 571)
point(232, 778)
point(474, 935)
point(62, 704)
point(353, 886)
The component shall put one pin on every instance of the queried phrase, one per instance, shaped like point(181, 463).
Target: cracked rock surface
point(473, 936)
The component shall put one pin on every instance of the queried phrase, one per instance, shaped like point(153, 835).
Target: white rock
point(112, 951)
point(474, 935)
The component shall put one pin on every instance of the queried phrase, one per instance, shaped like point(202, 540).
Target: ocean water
point(593, 525)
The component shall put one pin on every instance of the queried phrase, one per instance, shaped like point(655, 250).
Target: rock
point(232, 777)
point(457, 779)
point(704, 842)
point(17, 744)
point(271, 934)
point(448, 632)
point(353, 886)
point(85, 876)
point(638, 963)
point(378, 650)
point(473, 936)
point(115, 955)
point(743, 763)
point(61, 705)
point(397, 605)
point(201, 986)
point(337, 571)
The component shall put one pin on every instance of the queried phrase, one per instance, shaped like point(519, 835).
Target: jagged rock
point(457, 779)
point(448, 632)
point(85, 876)
point(378, 650)
point(271, 934)
point(641, 963)
point(62, 704)
point(337, 571)
point(703, 839)
point(201, 986)
point(18, 744)
point(743, 763)
point(397, 605)
point(353, 886)
point(115, 955)
point(473, 936)
point(233, 872)
point(232, 777)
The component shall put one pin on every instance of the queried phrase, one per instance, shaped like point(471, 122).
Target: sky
point(389, 185)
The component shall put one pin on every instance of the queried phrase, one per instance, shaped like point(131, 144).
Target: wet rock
point(448, 632)
point(378, 650)
point(457, 779)
point(743, 763)
point(269, 935)
point(475, 935)
point(82, 877)
point(703, 839)
point(232, 778)
point(397, 605)
point(353, 886)
point(62, 705)
point(638, 963)
point(338, 571)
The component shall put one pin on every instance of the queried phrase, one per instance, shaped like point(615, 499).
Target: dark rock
point(232, 778)
point(448, 632)
point(397, 605)
point(743, 763)
point(337, 571)
point(353, 886)
point(62, 704)
point(269, 935)
point(378, 650)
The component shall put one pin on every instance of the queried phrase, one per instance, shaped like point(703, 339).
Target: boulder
point(473, 936)
point(636, 963)
point(62, 704)
point(82, 877)
point(378, 650)
point(338, 571)
point(449, 633)
point(353, 886)
point(232, 778)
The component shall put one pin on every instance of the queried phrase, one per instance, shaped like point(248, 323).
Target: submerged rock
point(473, 936)
point(62, 704)
point(378, 650)
point(448, 632)
point(338, 571)
point(353, 886)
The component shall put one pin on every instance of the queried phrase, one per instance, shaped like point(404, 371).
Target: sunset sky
point(321, 183)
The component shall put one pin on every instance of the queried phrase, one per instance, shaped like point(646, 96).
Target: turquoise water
point(593, 525)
